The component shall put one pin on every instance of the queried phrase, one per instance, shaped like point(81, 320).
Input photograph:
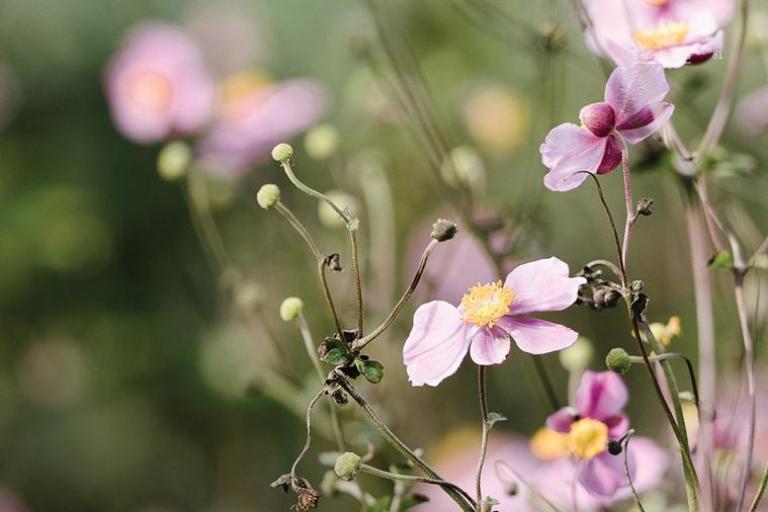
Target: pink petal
point(569, 152)
point(542, 285)
point(538, 336)
point(617, 425)
point(601, 395)
point(561, 420)
point(645, 122)
point(630, 88)
point(438, 342)
point(490, 346)
point(604, 474)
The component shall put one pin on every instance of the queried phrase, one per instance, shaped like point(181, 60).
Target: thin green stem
point(675, 356)
point(308, 441)
point(483, 399)
point(397, 477)
point(322, 267)
point(760, 491)
point(627, 473)
point(546, 383)
point(401, 447)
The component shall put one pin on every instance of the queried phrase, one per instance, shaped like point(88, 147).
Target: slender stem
point(629, 204)
point(203, 222)
point(672, 356)
point(760, 491)
point(322, 267)
point(614, 231)
point(639, 504)
point(362, 342)
point(533, 491)
point(299, 227)
point(723, 108)
point(465, 504)
point(762, 249)
point(549, 389)
point(358, 281)
point(483, 397)
point(412, 478)
point(308, 441)
point(749, 363)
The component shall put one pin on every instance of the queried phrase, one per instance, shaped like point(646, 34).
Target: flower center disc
point(587, 438)
point(484, 304)
point(663, 35)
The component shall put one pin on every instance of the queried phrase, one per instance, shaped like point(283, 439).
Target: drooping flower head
point(670, 32)
point(157, 84)
point(584, 430)
point(487, 317)
point(253, 114)
point(632, 109)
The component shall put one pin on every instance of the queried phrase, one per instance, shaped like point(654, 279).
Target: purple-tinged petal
point(630, 88)
point(604, 474)
point(617, 425)
point(645, 122)
point(538, 336)
point(489, 346)
point(598, 118)
point(612, 156)
point(570, 152)
point(438, 342)
point(601, 395)
point(561, 420)
point(542, 285)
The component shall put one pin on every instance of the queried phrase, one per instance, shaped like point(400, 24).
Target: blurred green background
point(128, 374)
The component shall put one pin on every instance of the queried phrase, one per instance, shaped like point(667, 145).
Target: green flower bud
point(577, 357)
point(618, 361)
point(443, 230)
point(173, 160)
point(348, 465)
point(321, 141)
point(282, 152)
point(268, 196)
point(291, 308)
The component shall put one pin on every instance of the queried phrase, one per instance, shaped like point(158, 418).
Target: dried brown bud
point(645, 206)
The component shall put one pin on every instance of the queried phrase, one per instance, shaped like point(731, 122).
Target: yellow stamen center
point(663, 35)
point(484, 304)
point(587, 438)
point(546, 444)
point(657, 3)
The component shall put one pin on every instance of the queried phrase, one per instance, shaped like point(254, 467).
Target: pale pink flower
point(632, 109)
point(487, 317)
point(670, 32)
point(157, 84)
point(255, 115)
point(752, 112)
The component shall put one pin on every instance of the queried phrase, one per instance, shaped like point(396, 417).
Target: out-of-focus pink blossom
point(752, 112)
point(487, 317)
point(632, 109)
point(253, 116)
point(157, 84)
point(670, 32)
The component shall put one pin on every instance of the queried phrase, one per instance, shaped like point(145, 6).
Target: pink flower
point(670, 32)
point(752, 112)
point(488, 316)
point(632, 108)
point(254, 116)
point(587, 428)
point(157, 84)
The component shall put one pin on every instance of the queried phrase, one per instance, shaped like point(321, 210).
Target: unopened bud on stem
point(443, 230)
point(348, 465)
point(282, 152)
point(268, 196)
point(618, 361)
point(291, 308)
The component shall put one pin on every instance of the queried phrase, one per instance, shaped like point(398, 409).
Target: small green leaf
point(372, 370)
point(495, 417)
point(723, 259)
point(333, 352)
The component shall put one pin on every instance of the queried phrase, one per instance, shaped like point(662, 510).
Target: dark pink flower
point(488, 316)
point(157, 84)
point(632, 109)
point(254, 116)
point(670, 32)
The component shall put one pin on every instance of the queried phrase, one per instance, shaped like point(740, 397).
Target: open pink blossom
point(158, 85)
point(670, 32)
point(632, 109)
point(253, 116)
point(588, 427)
point(488, 316)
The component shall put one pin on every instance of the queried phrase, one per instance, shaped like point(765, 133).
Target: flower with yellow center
point(657, 3)
point(546, 444)
point(236, 88)
point(665, 333)
point(588, 437)
point(484, 304)
point(665, 34)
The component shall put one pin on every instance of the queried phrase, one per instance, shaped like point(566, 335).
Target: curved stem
point(670, 356)
point(412, 478)
point(486, 430)
point(628, 436)
point(322, 266)
point(401, 447)
point(308, 441)
point(760, 491)
point(629, 204)
point(299, 227)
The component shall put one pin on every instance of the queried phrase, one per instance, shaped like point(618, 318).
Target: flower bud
point(291, 308)
point(173, 160)
point(268, 196)
point(348, 465)
point(614, 447)
point(618, 361)
point(444, 230)
point(598, 118)
point(576, 358)
point(321, 141)
point(645, 206)
point(282, 152)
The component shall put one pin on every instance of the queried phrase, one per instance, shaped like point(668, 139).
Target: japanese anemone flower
point(487, 317)
point(670, 32)
point(157, 84)
point(632, 109)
